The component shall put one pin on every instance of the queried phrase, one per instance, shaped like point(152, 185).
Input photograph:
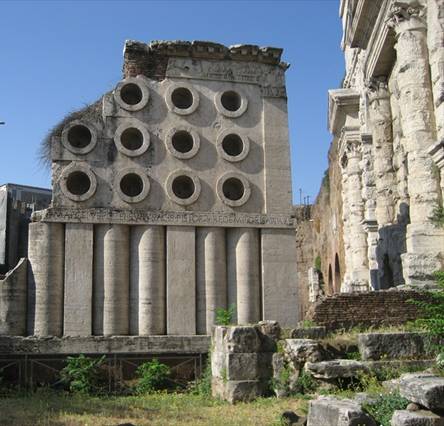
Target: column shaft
point(147, 281)
point(243, 273)
point(211, 276)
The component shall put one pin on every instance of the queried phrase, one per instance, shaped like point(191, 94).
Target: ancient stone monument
point(373, 219)
point(171, 198)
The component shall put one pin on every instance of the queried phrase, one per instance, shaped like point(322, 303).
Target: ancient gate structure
point(171, 198)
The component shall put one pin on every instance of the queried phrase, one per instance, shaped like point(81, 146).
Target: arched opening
point(330, 280)
point(337, 280)
point(387, 278)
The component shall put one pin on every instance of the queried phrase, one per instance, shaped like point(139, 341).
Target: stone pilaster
point(356, 276)
point(424, 240)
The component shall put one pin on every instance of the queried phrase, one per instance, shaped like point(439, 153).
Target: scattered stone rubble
point(251, 361)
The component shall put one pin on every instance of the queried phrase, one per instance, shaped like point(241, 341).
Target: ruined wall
point(367, 308)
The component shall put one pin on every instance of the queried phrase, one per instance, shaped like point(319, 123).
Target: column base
point(355, 285)
point(418, 268)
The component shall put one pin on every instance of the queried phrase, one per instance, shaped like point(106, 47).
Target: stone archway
point(337, 278)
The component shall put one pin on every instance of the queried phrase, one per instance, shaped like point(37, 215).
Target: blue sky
point(57, 56)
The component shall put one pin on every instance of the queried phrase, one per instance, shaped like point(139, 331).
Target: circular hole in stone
point(79, 136)
point(131, 93)
point(233, 189)
point(182, 141)
point(78, 183)
point(182, 98)
point(183, 187)
point(132, 138)
point(231, 100)
point(131, 185)
point(232, 144)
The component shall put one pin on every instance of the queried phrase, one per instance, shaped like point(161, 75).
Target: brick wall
point(372, 308)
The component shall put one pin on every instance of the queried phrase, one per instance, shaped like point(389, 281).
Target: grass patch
point(385, 405)
point(50, 408)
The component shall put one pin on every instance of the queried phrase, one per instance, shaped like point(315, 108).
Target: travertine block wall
point(171, 199)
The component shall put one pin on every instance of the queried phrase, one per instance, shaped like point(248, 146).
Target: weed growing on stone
point(306, 383)
point(202, 386)
point(82, 374)
point(153, 376)
point(225, 316)
point(384, 406)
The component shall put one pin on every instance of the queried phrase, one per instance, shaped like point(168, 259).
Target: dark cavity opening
point(233, 189)
point(183, 187)
point(132, 138)
point(182, 98)
point(78, 183)
point(79, 136)
point(182, 141)
point(231, 100)
point(232, 144)
point(131, 185)
point(131, 94)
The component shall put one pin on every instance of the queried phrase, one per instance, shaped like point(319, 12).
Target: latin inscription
point(143, 217)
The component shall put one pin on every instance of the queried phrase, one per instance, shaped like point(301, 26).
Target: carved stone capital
point(411, 13)
point(377, 88)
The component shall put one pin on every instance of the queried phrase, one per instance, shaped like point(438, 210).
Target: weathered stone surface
point(329, 411)
point(242, 339)
point(339, 368)
point(241, 366)
point(103, 345)
point(13, 290)
point(278, 254)
point(309, 333)
point(300, 351)
point(374, 346)
point(416, 418)
point(425, 389)
point(237, 391)
point(269, 334)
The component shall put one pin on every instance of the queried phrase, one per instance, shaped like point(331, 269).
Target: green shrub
point(306, 383)
point(384, 406)
point(353, 355)
point(438, 216)
point(202, 386)
point(432, 311)
point(307, 323)
point(82, 374)
point(225, 316)
point(317, 263)
point(152, 376)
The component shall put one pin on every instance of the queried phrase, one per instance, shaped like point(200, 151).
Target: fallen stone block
point(338, 368)
point(416, 418)
point(425, 389)
point(374, 346)
point(309, 333)
point(299, 351)
point(329, 411)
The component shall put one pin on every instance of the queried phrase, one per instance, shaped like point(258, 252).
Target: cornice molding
point(341, 101)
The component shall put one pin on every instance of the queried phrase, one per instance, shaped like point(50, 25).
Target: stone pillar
point(243, 274)
point(381, 124)
point(279, 276)
point(45, 279)
point(13, 301)
point(425, 241)
point(211, 276)
point(356, 276)
point(111, 280)
point(369, 200)
point(78, 279)
point(147, 281)
point(181, 280)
